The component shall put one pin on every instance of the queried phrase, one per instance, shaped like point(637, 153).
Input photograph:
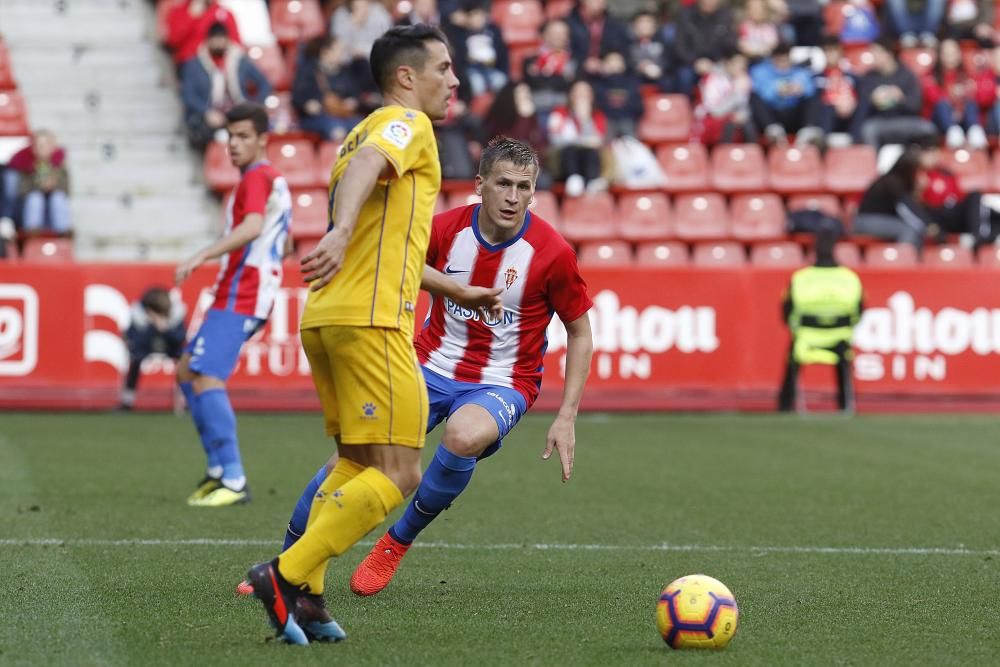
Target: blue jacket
point(769, 83)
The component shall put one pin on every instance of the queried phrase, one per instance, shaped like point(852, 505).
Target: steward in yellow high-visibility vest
point(821, 307)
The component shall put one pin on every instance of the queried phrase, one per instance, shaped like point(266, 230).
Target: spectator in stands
point(723, 114)
point(971, 19)
point(706, 33)
point(356, 24)
point(616, 91)
point(822, 305)
point(836, 86)
point(651, 53)
point(188, 24)
point(914, 20)
point(759, 31)
point(156, 326)
point(890, 208)
point(860, 23)
point(513, 114)
point(217, 78)
point(806, 19)
point(593, 33)
point(784, 98)
point(577, 133)
point(40, 179)
point(889, 103)
point(953, 97)
point(422, 11)
point(325, 94)
point(550, 72)
point(953, 210)
point(481, 58)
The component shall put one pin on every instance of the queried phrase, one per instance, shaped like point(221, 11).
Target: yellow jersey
point(378, 284)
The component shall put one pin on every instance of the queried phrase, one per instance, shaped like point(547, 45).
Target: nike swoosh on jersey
point(448, 269)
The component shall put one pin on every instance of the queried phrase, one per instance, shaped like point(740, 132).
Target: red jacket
point(942, 189)
point(957, 87)
point(185, 33)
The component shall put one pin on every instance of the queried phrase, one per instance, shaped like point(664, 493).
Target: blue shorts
point(215, 349)
point(446, 396)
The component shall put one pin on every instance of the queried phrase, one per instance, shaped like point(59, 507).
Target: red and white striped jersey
point(249, 277)
point(539, 274)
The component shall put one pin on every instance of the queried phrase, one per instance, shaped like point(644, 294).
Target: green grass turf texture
point(737, 482)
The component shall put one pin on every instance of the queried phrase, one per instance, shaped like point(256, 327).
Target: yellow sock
point(347, 515)
point(343, 472)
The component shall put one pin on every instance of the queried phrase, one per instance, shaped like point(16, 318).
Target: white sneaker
point(954, 137)
point(809, 135)
point(597, 185)
point(838, 140)
point(775, 134)
point(908, 41)
point(928, 40)
point(976, 137)
point(575, 185)
point(7, 229)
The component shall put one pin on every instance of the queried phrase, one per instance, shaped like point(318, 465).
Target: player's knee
point(406, 478)
point(202, 383)
point(461, 443)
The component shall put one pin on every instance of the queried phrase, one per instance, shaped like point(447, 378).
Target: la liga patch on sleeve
point(398, 133)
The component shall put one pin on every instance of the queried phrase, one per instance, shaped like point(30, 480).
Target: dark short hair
point(156, 299)
point(218, 29)
point(251, 111)
point(402, 45)
point(782, 48)
point(831, 40)
point(505, 149)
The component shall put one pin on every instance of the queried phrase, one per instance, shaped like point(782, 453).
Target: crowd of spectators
point(770, 71)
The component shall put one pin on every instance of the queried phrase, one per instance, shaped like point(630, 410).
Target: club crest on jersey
point(510, 275)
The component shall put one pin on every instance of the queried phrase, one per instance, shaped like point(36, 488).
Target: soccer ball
point(697, 611)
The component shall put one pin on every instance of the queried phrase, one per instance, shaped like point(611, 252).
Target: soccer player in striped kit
point(483, 370)
point(258, 221)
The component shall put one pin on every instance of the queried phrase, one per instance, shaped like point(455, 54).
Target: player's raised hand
point(487, 298)
point(562, 438)
point(324, 262)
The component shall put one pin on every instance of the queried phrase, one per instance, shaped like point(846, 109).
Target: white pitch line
point(683, 548)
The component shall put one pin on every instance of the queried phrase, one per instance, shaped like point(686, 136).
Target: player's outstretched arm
point(562, 433)
point(242, 234)
point(359, 179)
point(467, 296)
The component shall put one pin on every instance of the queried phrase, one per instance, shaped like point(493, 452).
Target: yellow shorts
point(369, 384)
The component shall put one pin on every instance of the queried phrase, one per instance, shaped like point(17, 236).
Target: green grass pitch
point(869, 541)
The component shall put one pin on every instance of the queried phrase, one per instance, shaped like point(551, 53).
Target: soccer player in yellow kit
point(357, 326)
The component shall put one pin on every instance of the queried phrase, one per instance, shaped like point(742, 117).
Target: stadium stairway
point(92, 71)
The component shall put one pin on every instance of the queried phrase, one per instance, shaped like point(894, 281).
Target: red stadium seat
point(667, 118)
point(644, 217)
point(989, 257)
point(519, 20)
point(861, 58)
point(47, 250)
point(850, 169)
point(828, 204)
point(784, 254)
point(325, 158)
point(296, 160)
point(271, 64)
point(738, 168)
point(795, 169)
point(703, 216)
point(848, 254)
point(970, 166)
point(220, 174)
point(920, 61)
point(719, 254)
point(610, 254)
point(975, 59)
point(757, 217)
point(685, 166)
point(891, 255)
point(310, 217)
point(296, 20)
point(671, 253)
point(547, 207)
point(13, 114)
point(948, 257)
point(7, 81)
point(589, 218)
